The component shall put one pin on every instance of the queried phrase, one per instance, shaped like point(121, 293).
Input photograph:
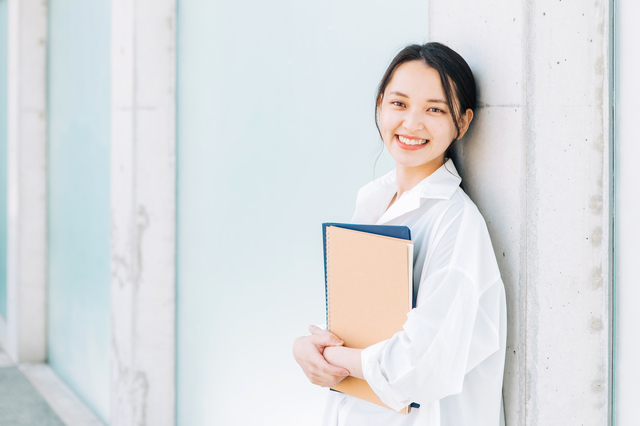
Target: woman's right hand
point(308, 351)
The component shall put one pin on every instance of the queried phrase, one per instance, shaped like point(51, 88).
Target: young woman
point(449, 358)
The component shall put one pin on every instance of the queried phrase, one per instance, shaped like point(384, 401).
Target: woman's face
point(415, 122)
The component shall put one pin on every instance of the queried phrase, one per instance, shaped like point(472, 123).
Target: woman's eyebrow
point(431, 101)
point(398, 94)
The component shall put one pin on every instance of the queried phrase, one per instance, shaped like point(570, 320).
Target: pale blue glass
point(3, 158)
point(276, 134)
point(78, 197)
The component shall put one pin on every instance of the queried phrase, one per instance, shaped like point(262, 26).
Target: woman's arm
point(308, 352)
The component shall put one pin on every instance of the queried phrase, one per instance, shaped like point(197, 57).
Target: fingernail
point(345, 373)
point(339, 342)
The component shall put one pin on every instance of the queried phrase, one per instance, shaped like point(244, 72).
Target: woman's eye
point(435, 110)
point(397, 103)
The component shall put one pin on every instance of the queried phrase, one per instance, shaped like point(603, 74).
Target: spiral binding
point(327, 282)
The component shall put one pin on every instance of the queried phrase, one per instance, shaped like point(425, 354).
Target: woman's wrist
point(348, 358)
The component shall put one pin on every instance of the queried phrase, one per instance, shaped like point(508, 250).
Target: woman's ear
point(465, 120)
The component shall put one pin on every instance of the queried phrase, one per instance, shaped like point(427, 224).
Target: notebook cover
point(394, 231)
point(368, 292)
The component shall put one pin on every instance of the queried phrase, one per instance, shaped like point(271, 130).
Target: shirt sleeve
point(429, 358)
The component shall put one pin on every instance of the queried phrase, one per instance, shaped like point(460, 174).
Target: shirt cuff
point(374, 376)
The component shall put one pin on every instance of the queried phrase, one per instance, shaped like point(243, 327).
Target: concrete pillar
point(26, 181)
point(143, 212)
point(538, 163)
point(627, 369)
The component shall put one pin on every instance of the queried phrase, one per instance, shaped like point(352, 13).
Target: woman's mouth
point(410, 143)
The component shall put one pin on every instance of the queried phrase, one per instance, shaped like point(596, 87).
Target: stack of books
point(368, 287)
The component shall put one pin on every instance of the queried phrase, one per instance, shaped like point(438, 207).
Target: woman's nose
point(414, 121)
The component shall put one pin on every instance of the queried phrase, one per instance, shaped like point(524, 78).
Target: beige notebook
point(369, 293)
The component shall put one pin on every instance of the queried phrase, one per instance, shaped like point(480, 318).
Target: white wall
point(3, 166)
point(627, 249)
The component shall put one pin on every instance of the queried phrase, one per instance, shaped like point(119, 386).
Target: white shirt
point(449, 358)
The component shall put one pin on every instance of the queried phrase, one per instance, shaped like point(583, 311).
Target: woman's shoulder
point(459, 206)
point(461, 203)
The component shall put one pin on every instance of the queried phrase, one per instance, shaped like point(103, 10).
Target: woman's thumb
point(325, 336)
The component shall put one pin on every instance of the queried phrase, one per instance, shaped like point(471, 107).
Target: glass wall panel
point(3, 158)
point(276, 135)
point(79, 224)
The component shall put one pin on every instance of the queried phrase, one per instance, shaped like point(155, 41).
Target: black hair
point(457, 79)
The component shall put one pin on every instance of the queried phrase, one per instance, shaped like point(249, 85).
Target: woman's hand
point(308, 352)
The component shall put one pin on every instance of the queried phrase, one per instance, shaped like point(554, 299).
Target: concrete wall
point(143, 89)
point(141, 199)
point(26, 180)
point(538, 164)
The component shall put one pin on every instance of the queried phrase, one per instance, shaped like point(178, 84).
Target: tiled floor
point(20, 403)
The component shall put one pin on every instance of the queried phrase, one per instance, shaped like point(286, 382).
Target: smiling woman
point(431, 72)
point(449, 358)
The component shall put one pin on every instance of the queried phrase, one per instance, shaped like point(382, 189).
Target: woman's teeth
point(407, 141)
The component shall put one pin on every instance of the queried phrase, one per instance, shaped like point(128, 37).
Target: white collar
point(441, 184)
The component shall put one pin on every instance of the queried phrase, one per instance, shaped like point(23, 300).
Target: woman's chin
point(428, 164)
